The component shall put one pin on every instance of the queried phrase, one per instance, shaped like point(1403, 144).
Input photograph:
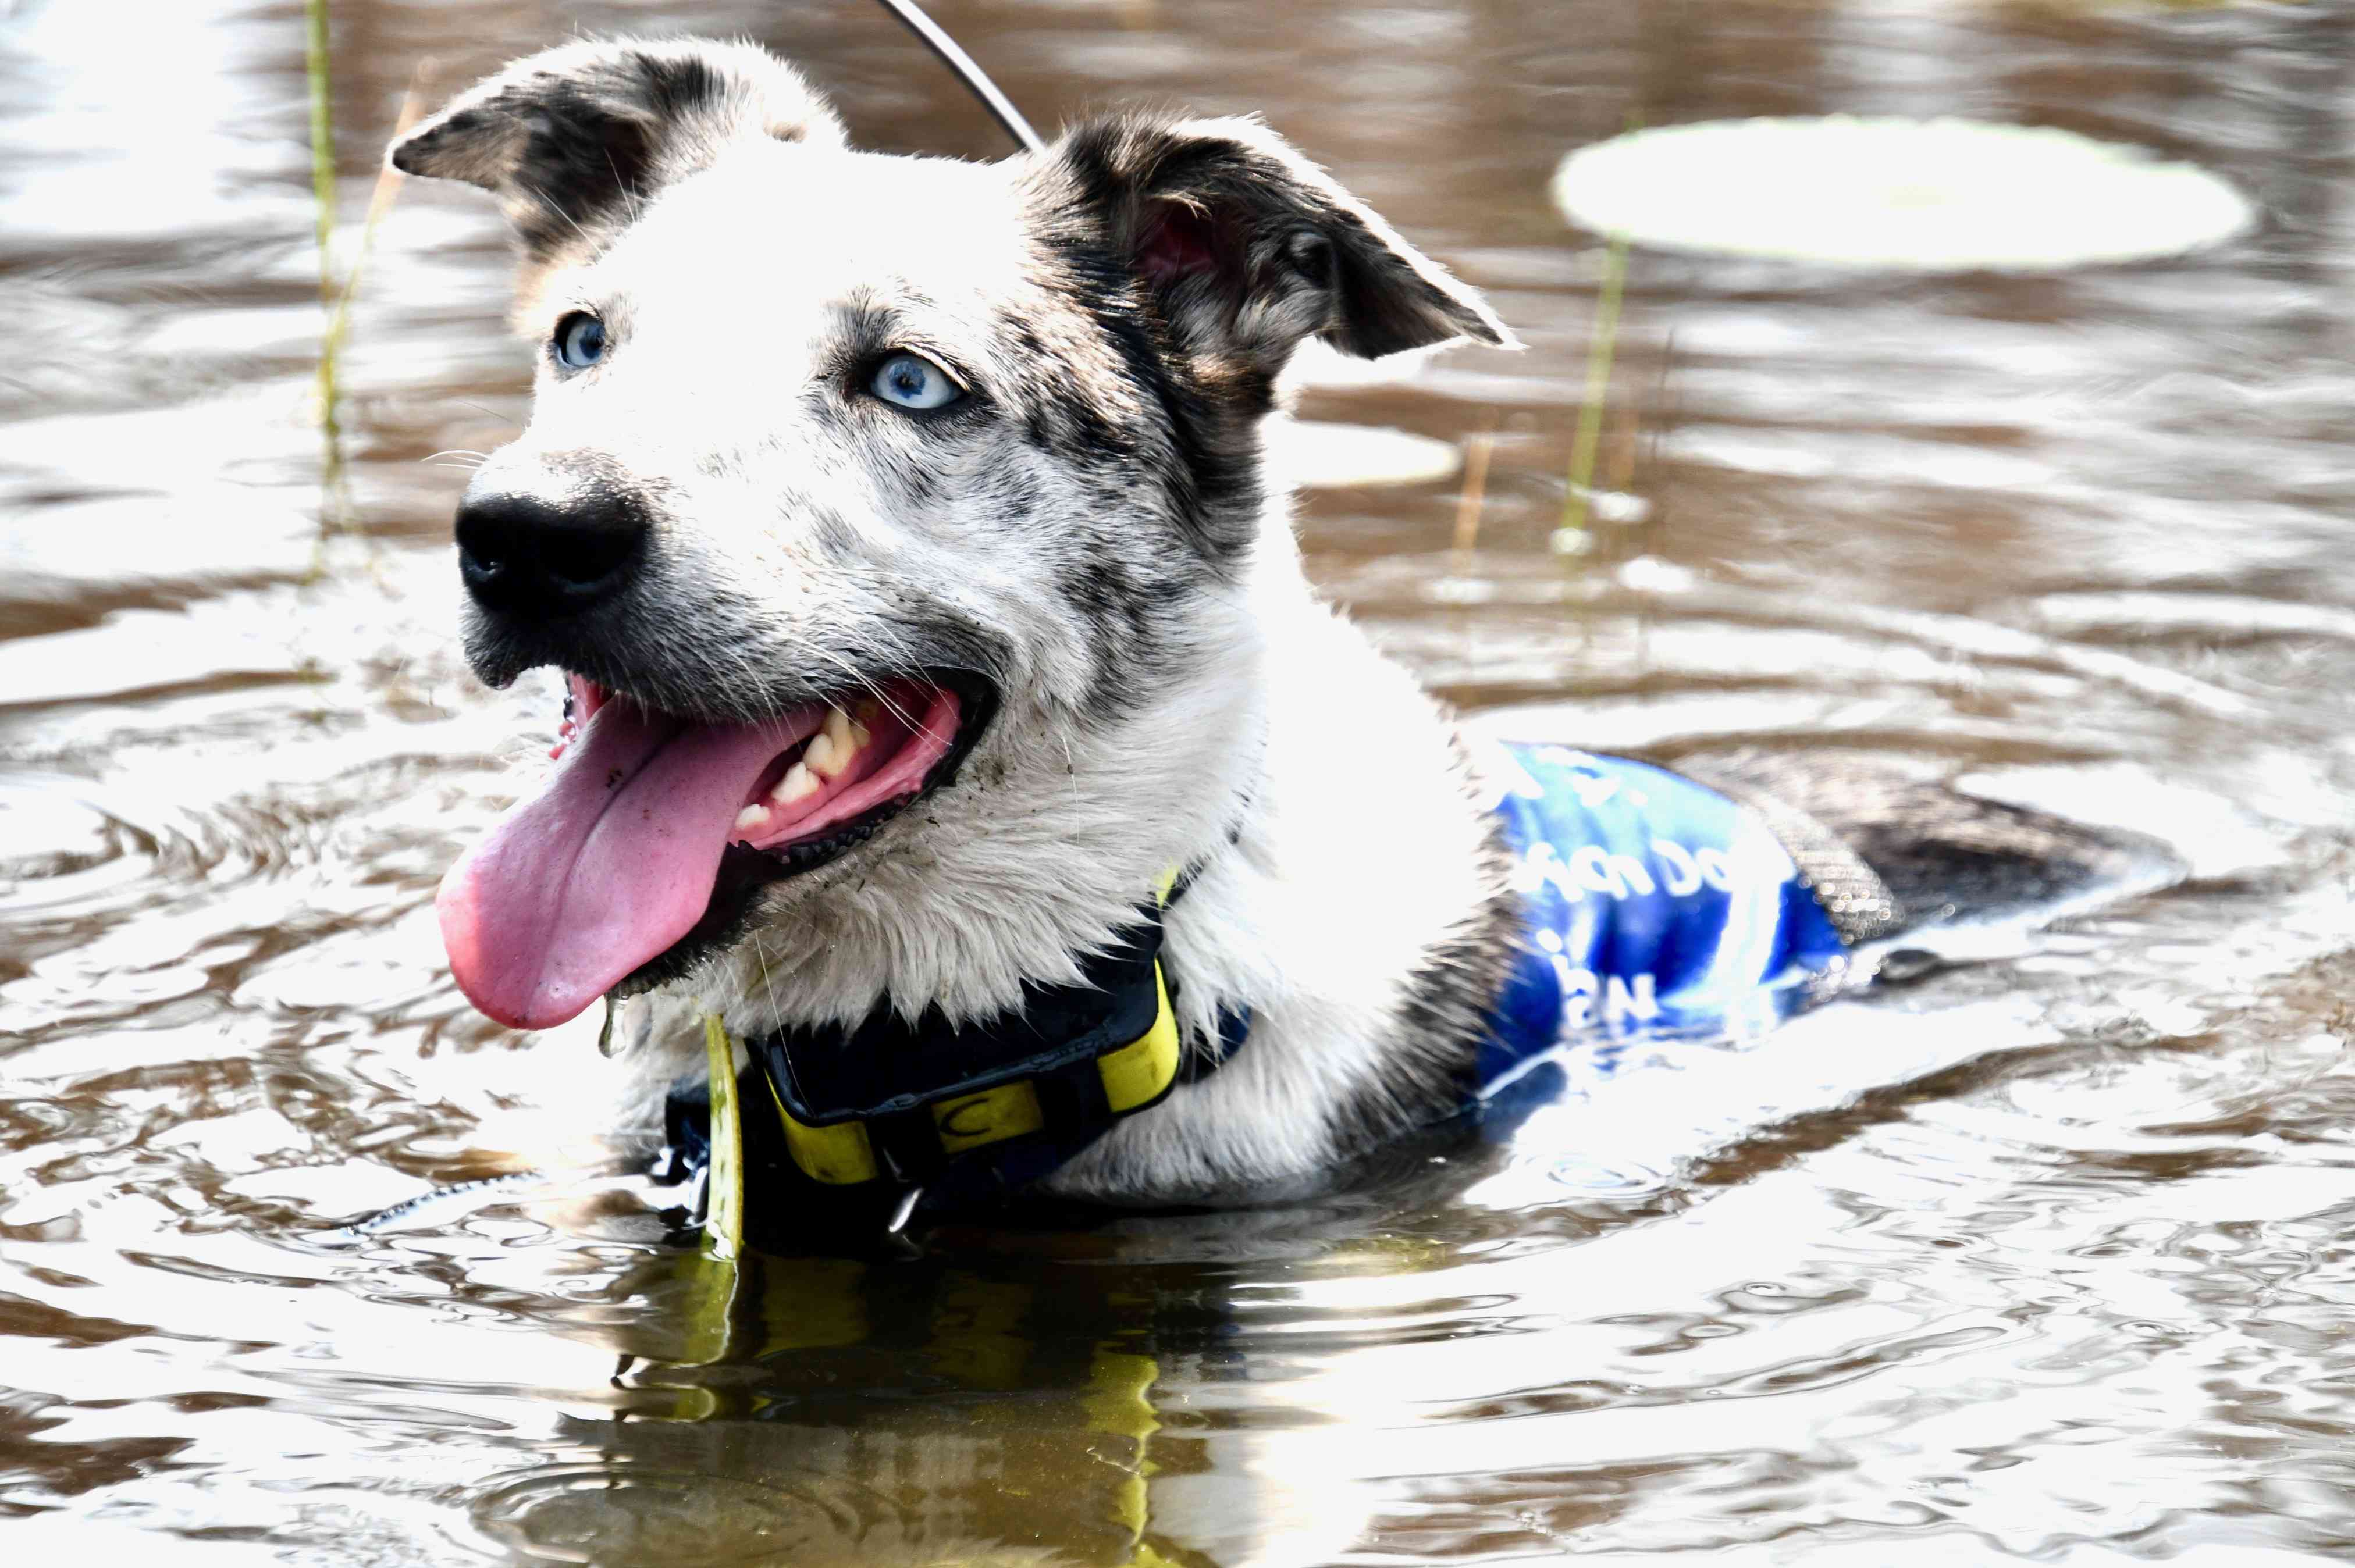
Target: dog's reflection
point(985, 1410)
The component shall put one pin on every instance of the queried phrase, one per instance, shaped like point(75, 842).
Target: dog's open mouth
point(617, 864)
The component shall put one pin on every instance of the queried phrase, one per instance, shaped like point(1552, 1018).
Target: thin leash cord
point(999, 106)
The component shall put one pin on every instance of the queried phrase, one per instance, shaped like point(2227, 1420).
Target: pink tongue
point(609, 866)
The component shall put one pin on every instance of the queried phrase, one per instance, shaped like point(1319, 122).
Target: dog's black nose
point(522, 556)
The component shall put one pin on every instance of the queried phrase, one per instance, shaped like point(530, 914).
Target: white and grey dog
point(905, 530)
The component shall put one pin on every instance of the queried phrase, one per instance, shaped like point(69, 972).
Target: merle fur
point(571, 139)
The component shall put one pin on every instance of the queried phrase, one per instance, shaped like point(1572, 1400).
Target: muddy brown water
point(2043, 1258)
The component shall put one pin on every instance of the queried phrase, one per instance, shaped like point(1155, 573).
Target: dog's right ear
point(1246, 248)
point(570, 139)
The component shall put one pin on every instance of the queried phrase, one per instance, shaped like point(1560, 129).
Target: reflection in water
point(920, 1414)
point(2039, 1255)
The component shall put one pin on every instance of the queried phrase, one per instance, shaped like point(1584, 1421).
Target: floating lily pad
point(1930, 196)
point(1329, 456)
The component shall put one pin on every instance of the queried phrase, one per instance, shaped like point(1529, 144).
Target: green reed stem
point(323, 143)
point(323, 193)
point(1599, 353)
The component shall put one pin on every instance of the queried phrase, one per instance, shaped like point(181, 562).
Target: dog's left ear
point(569, 139)
point(1248, 248)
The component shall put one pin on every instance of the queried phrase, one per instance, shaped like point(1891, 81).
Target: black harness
point(873, 1123)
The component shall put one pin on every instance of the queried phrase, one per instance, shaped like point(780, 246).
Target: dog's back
point(1943, 857)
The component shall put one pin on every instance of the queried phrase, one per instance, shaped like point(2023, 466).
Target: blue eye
point(579, 341)
point(911, 381)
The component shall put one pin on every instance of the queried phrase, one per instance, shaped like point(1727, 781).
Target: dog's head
point(854, 481)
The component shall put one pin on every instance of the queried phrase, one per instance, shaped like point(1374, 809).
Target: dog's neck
point(1360, 914)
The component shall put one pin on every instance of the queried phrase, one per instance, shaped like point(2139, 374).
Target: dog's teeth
point(838, 725)
point(752, 816)
point(823, 757)
point(859, 737)
point(798, 784)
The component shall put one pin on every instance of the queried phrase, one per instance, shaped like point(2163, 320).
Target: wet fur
point(1943, 857)
point(1096, 533)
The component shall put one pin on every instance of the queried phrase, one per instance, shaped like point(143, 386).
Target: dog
point(953, 735)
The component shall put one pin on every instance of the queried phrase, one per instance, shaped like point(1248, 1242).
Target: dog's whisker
point(861, 680)
point(776, 1012)
point(486, 409)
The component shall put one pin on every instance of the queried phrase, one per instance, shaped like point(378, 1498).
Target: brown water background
point(2045, 1258)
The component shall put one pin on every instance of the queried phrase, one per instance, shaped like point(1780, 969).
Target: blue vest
point(1656, 907)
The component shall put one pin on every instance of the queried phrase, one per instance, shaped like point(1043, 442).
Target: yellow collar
point(895, 1112)
point(1134, 1075)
